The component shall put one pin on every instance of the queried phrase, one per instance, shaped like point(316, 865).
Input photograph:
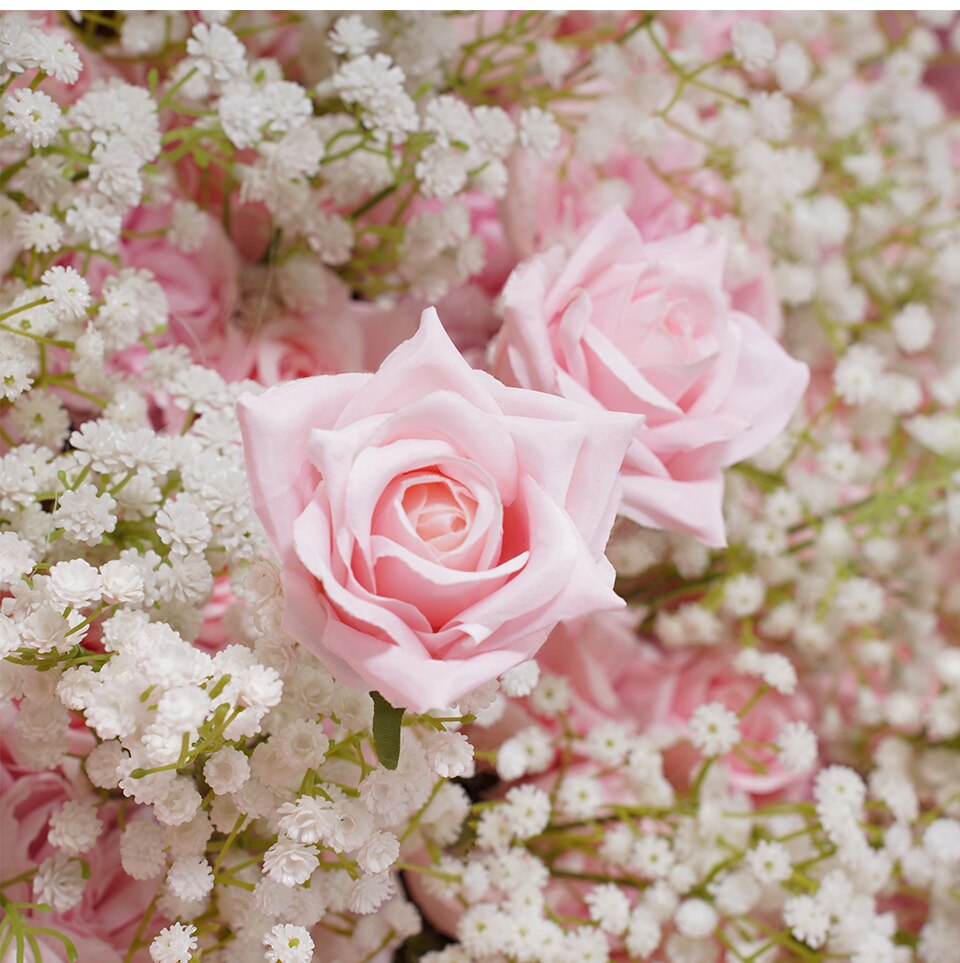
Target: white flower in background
point(59, 882)
point(352, 37)
point(714, 729)
point(217, 52)
point(32, 115)
point(289, 863)
point(174, 944)
point(753, 44)
point(68, 292)
point(74, 828)
point(539, 132)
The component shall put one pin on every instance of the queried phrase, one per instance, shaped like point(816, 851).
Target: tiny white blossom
point(351, 36)
point(217, 52)
point(174, 944)
point(913, 328)
point(521, 680)
point(59, 882)
point(528, 811)
point(696, 919)
point(68, 292)
point(808, 920)
point(450, 754)
point(797, 747)
point(856, 375)
point(33, 115)
point(378, 853)
point(539, 132)
point(39, 232)
point(714, 729)
point(743, 594)
point(753, 44)
point(190, 878)
point(609, 908)
point(74, 828)
point(290, 863)
point(770, 862)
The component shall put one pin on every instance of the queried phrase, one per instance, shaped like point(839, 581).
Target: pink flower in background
point(625, 325)
point(663, 690)
point(295, 346)
point(201, 287)
point(432, 525)
point(103, 923)
point(616, 676)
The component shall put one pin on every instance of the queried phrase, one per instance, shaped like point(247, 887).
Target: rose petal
point(275, 427)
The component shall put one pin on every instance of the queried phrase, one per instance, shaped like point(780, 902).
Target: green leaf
point(386, 730)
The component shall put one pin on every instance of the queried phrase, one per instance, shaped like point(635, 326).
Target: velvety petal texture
point(647, 328)
point(433, 525)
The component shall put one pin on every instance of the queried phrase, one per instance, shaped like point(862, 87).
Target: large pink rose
point(432, 525)
point(625, 325)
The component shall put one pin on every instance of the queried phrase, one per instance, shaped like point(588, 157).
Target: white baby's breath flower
point(174, 944)
point(539, 131)
point(753, 44)
point(68, 292)
point(59, 882)
point(797, 747)
point(714, 729)
point(39, 232)
point(217, 52)
point(33, 115)
point(352, 37)
point(289, 862)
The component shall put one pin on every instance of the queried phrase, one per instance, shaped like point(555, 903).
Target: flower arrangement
point(479, 487)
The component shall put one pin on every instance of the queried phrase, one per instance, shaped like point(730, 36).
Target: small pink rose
point(294, 346)
point(104, 922)
point(665, 690)
point(201, 288)
point(432, 524)
point(617, 676)
point(647, 328)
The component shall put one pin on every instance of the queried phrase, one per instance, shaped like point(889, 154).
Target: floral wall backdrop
point(479, 487)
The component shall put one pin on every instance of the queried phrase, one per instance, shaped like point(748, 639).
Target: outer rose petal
point(768, 403)
point(329, 458)
point(665, 503)
point(276, 427)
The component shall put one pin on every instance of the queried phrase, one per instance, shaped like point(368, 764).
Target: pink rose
point(294, 346)
point(548, 205)
point(432, 525)
point(664, 690)
point(617, 676)
point(383, 329)
point(201, 287)
point(103, 924)
point(646, 328)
